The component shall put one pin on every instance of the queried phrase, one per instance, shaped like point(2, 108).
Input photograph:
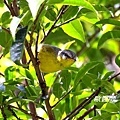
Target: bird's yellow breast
point(50, 61)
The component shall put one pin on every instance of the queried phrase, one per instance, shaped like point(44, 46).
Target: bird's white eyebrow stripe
point(59, 52)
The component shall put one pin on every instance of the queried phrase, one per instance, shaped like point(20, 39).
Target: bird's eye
point(64, 56)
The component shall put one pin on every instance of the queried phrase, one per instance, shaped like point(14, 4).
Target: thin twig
point(61, 98)
point(58, 17)
point(37, 17)
point(26, 112)
point(6, 30)
point(56, 26)
point(36, 46)
point(1, 56)
point(2, 74)
point(13, 113)
point(87, 112)
point(3, 112)
point(114, 76)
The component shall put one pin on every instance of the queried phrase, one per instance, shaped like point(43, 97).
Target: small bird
point(53, 59)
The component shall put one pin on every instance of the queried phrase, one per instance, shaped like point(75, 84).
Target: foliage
point(87, 90)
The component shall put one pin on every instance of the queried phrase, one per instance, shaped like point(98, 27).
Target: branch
point(37, 17)
point(24, 111)
point(6, 30)
point(32, 108)
point(10, 8)
point(36, 46)
point(13, 113)
point(15, 7)
point(58, 17)
point(3, 113)
point(56, 26)
point(41, 81)
point(61, 98)
point(86, 102)
point(2, 74)
point(87, 112)
point(82, 105)
point(113, 77)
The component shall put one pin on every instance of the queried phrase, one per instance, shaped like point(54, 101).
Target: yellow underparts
point(50, 62)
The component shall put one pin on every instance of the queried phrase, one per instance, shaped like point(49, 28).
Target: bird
point(53, 59)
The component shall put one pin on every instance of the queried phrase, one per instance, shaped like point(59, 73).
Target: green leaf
point(6, 41)
point(103, 116)
point(15, 99)
point(34, 6)
point(5, 18)
point(67, 105)
point(84, 69)
point(5, 36)
point(110, 107)
point(1, 3)
point(32, 90)
point(58, 36)
point(13, 26)
point(1, 98)
point(50, 14)
point(117, 60)
point(70, 13)
point(49, 79)
point(75, 30)
point(9, 73)
point(65, 79)
point(57, 90)
point(109, 35)
point(107, 75)
point(109, 21)
point(89, 16)
point(17, 47)
point(87, 80)
point(67, 45)
point(109, 87)
point(82, 3)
